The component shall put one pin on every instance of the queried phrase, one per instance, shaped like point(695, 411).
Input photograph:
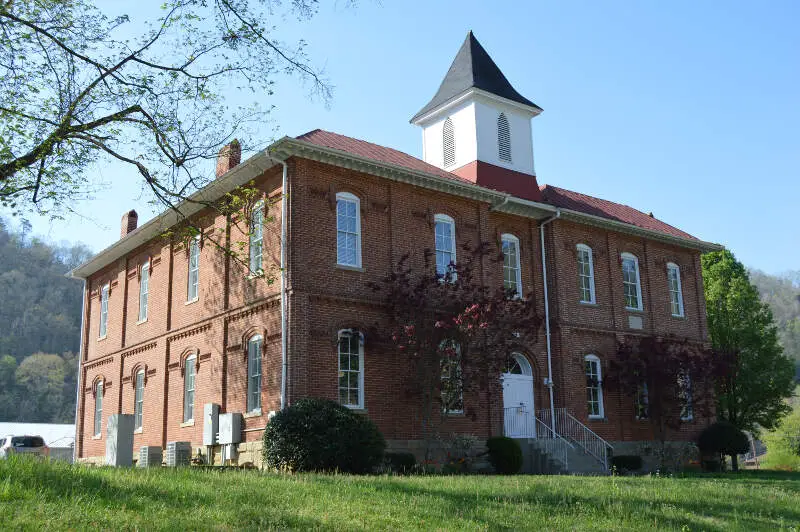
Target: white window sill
point(589, 303)
point(629, 309)
point(357, 409)
point(454, 413)
point(97, 437)
point(257, 275)
point(189, 423)
point(348, 267)
point(138, 431)
point(101, 338)
point(141, 321)
point(195, 300)
point(598, 418)
point(687, 419)
point(679, 316)
point(252, 413)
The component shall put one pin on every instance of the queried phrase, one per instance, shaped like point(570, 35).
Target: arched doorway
point(518, 407)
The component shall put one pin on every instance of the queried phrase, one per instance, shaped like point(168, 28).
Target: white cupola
point(479, 127)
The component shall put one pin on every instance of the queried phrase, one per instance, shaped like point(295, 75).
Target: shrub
point(505, 455)
point(626, 462)
point(401, 462)
point(723, 438)
point(322, 435)
point(783, 444)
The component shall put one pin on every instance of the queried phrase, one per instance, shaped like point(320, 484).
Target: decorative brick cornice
point(98, 363)
point(270, 303)
point(189, 332)
point(140, 349)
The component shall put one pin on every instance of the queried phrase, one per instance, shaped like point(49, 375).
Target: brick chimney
point(129, 222)
point(229, 156)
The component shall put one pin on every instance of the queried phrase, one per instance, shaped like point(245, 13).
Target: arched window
point(675, 291)
point(348, 230)
point(445, 242)
point(631, 285)
point(144, 290)
point(452, 383)
point(138, 400)
point(503, 138)
point(585, 274)
point(351, 368)
point(256, 238)
point(448, 143)
point(594, 387)
point(512, 273)
point(517, 364)
point(189, 374)
point(254, 346)
point(98, 409)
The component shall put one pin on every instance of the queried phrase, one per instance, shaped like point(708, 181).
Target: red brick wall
point(322, 298)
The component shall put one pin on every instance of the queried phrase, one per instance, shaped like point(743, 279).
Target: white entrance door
point(518, 408)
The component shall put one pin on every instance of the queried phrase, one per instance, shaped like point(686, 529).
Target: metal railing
point(551, 443)
point(576, 432)
point(519, 422)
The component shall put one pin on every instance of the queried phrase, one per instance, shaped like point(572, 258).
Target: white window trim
point(194, 244)
point(677, 269)
point(347, 196)
point(97, 427)
point(508, 237)
point(137, 404)
point(343, 332)
point(601, 405)
point(593, 298)
point(635, 259)
point(443, 218)
point(146, 293)
point(105, 293)
point(190, 360)
point(250, 341)
point(258, 210)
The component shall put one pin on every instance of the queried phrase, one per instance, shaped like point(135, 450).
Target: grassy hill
point(37, 495)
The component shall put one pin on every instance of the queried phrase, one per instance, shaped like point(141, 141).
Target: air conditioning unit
point(150, 456)
point(179, 453)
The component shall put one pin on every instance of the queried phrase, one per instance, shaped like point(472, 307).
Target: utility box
point(210, 423)
point(150, 456)
point(230, 428)
point(179, 453)
point(119, 440)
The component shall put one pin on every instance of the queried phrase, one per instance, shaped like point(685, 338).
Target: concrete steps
point(537, 461)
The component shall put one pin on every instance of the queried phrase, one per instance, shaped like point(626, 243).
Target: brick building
point(170, 325)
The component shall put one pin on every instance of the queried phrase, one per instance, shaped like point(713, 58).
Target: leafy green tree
point(8, 406)
point(40, 381)
point(79, 84)
point(759, 377)
point(783, 443)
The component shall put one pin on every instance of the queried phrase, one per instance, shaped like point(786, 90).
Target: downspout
point(284, 317)
point(78, 375)
point(549, 382)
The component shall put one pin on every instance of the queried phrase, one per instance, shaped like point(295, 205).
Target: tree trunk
point(734, 462)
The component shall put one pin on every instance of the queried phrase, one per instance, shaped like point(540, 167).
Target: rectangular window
point(194, 270)
point(351, 370)
point(631, 286)
point(189, 373)
point(445, 243)
point(512, 275)
point(348, 230)
point(675, 292)
point(104, 310)
point(594, 387)
point(138, 400)
point(685, 396)
point(98, 408)
point(254, 374)
point(144, 289)
point(452, 382)
point(256, 238)
point(642, 403)
point(585, 274)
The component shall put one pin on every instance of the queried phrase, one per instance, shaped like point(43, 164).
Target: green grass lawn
point(39, 495)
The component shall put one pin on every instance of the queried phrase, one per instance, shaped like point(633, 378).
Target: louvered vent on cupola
point(449, 143)
point(503, 138)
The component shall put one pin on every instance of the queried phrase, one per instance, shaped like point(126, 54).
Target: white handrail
point(552, 443)
point(575, 431)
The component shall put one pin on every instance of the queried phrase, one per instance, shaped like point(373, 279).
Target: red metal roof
point(558, 197)
point(567, 199)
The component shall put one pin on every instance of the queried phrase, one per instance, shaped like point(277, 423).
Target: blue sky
point(690, 110)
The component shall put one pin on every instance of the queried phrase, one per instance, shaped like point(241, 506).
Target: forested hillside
point(40, 317)
point(782, 293)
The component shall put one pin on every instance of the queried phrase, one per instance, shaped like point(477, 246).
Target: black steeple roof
point(473, 67)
